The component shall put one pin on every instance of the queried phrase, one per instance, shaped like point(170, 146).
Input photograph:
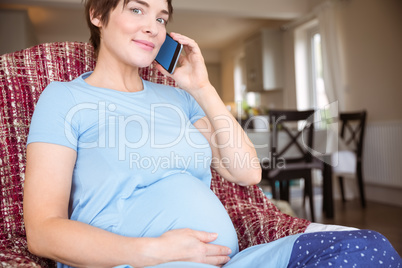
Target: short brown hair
point(102, 9)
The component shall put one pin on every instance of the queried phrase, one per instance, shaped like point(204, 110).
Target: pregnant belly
point(178, 201)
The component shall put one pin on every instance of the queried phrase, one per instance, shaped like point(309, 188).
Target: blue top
point(142, 168)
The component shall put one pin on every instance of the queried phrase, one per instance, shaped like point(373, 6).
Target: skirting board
point(384, 195)
point(376, 193)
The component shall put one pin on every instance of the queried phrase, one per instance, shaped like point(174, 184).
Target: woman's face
point(135, 32)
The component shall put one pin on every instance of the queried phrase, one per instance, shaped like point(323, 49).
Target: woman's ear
point(95, 20)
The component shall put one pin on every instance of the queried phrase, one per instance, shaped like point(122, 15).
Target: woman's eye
point(161, 20)
point(136, 11)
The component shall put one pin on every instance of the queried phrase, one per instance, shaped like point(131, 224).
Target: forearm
point(236, 152)
point(81, 245)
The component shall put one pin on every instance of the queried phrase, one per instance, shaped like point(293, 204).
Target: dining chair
point(350, 162)
point(291, 140)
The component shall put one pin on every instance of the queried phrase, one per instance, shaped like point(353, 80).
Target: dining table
point(325, 144)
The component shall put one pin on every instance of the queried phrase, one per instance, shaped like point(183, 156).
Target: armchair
point(23, 76)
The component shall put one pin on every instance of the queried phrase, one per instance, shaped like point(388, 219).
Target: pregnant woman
point(118, 168)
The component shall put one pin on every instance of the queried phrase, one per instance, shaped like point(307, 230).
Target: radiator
point(382, 154)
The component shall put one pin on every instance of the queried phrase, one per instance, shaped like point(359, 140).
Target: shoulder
point(166, 90)
point(60, 95)
point(56, 90)
point(63, 90)
point(178, 97)
point(155, 86)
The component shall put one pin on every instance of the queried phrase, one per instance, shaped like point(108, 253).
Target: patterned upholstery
point(23, 76)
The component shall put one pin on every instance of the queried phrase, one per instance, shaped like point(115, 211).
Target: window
point(240, 78)
point(310, 85)
point(320, 99)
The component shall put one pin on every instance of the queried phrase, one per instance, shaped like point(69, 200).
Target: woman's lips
point(145, 45)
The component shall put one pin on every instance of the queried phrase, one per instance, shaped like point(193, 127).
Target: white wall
point(372, 44)
point(54, 24)
point(215, 74)
point(16, 31)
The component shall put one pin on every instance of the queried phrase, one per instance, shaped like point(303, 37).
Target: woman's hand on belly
point(190, 245)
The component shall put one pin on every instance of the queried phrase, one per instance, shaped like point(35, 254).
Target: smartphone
point(169, 54)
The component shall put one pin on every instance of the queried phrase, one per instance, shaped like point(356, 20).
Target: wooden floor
point(385, 219)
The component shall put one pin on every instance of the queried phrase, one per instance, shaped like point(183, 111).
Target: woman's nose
point(151, 27)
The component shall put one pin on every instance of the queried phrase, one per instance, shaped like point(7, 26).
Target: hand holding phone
point(169, 54)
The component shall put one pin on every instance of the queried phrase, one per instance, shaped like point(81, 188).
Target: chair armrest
point(14, 253)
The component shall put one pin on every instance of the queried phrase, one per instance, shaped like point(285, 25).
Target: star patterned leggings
point(360, 248)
